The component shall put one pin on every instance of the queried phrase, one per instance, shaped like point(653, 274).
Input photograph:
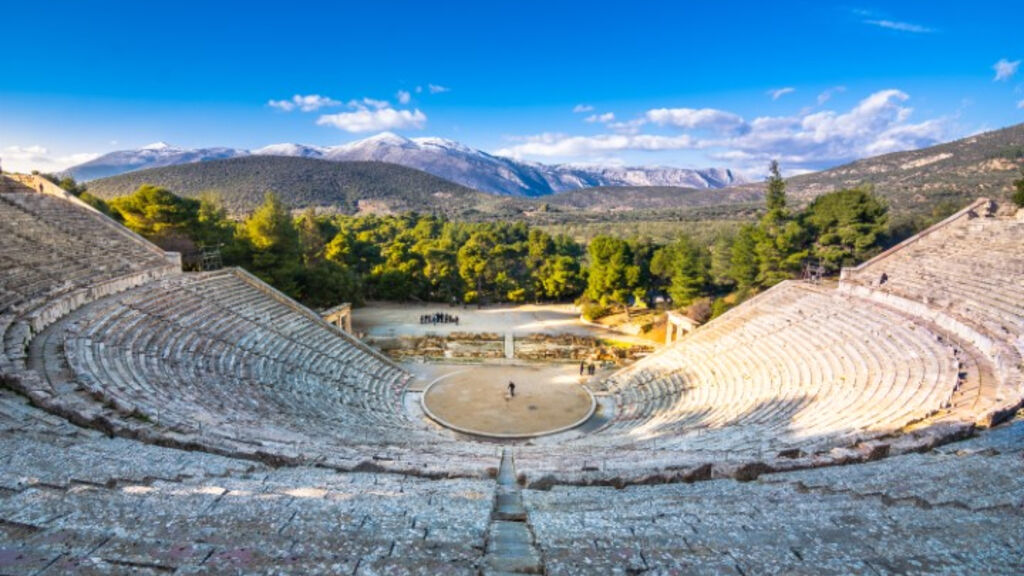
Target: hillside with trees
point(342, 187)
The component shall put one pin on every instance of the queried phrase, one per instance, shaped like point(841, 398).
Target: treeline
point(323, 260)
point(837, 229)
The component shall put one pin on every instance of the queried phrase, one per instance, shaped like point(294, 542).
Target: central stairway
point(510, 542)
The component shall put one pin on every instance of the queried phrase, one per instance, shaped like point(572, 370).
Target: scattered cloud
point(695, 119)
point(403, 97)
point(1005, 69)
point(901, 26)
point(780, 92)
point(878, 124)
point(29, 158)
point(627, 127)
point(1020, 105)
point(438, 89)
point(308, 103)
point(582, 109)
point(827, 94)
point(565, 146)
point(810, 140)
point(370, 102)
point(369, 115)
point(419, 89)
point(600, 118)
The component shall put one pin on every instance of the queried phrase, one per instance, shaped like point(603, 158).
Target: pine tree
point(273, 244)
point(781, 242)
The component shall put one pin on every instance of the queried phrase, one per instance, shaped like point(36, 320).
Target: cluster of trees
point(322, 260)
point(836, 229)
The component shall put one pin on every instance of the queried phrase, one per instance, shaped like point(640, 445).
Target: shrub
point(592, 311)
point(700, 310)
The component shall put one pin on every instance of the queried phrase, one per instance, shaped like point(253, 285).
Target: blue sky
point(690, 84)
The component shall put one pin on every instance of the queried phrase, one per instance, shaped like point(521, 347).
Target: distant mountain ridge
point(446, 159)
point(345, 187)
point(913, 182)
point(154, 155)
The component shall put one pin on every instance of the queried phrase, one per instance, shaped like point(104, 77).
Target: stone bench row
point(805, 366)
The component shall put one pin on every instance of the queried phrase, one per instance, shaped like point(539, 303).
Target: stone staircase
point(510, 542)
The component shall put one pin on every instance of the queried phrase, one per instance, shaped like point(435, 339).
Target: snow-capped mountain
point(443, 158)
point(152, 156)
point(499, 175)
point(300, 150)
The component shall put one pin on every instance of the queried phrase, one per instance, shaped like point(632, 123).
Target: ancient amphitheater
point(160, 422)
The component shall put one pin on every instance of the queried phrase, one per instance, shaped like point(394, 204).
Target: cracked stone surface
point(75, 501)
point(957, 510)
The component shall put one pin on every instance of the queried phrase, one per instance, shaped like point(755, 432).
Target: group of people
point(588, 367)
point(439, 318)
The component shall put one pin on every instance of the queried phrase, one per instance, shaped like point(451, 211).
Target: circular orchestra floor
point(476, 400)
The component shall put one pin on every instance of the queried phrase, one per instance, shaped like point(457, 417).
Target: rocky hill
point(913, 182)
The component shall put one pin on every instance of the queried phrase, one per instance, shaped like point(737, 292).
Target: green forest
point(322, 260)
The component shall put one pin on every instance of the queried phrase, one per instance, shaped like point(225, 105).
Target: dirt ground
point(547, 398)
point(387, 320)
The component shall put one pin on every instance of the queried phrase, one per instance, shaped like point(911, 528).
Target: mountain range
point(446, 159)
point(914, 183)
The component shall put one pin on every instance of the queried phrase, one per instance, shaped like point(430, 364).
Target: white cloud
point(695, 119)
point(29, 158)
point(564, 146)
point(900, 26)
point(582, 109)
point(601, 118)
point(780, 92)
point(438, 89)
point(369, 102)
point(372, 116)
point(1005, 69)
point(1020, 105)
point(308, 103)
point(627, 127)
point(878, 124)
point(403, 96)
point(827, 94)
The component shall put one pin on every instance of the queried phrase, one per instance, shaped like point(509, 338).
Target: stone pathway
point(510, 543)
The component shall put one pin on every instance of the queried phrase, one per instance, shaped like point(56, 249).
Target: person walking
point(511, 389)
point(582, 366)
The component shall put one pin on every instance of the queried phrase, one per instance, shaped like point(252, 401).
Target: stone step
point(510, 545)
point(509, 505)
point(507, 470)
point(510, 548)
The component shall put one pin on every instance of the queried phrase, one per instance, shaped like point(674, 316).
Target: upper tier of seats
point(965, 275)
point(57, 254)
